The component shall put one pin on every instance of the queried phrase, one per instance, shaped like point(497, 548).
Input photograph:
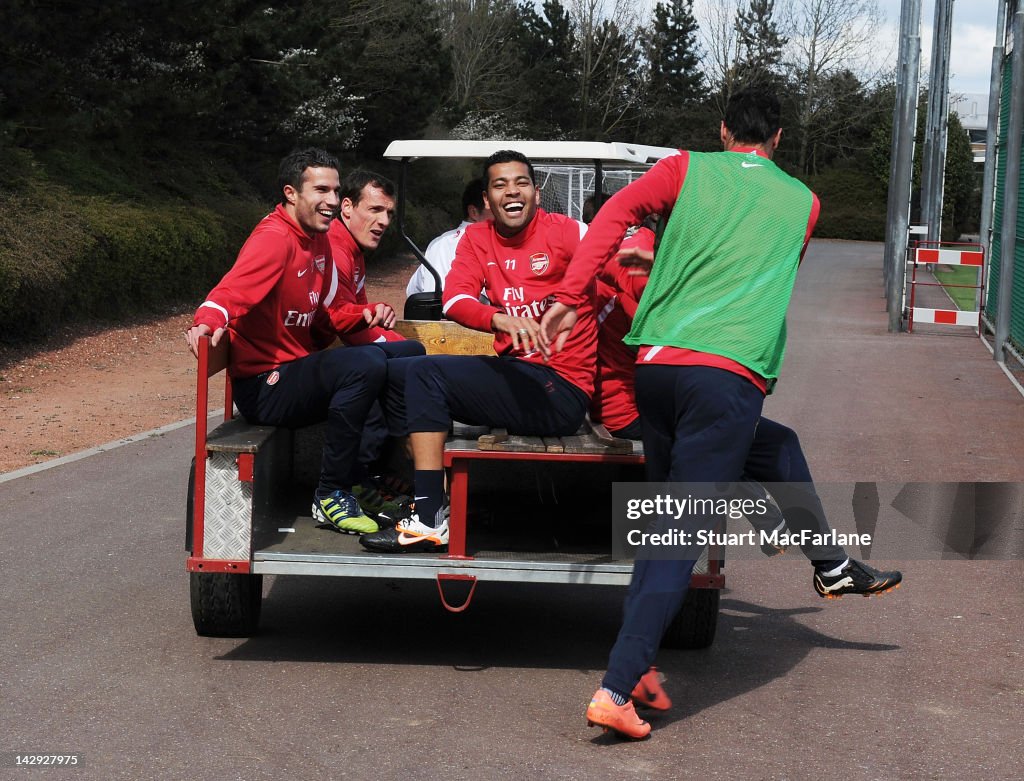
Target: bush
point(853, 205)
point(67, 257)
point(145, 257)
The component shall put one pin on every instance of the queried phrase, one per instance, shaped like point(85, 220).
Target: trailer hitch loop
point(441, 576)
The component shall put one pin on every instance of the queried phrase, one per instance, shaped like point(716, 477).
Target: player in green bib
point(711, 334)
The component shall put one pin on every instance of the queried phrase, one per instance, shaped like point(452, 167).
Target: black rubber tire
point(695, 624)
point(225, 604)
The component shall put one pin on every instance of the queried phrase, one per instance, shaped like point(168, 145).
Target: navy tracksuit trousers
point(703, 425)
point(372, 452)
point(428, 393)
point(339, 386)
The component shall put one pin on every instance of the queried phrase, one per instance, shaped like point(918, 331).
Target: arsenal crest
point(539, 263)
point(320, 262)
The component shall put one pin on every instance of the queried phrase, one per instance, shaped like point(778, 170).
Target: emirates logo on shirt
point(539, 263)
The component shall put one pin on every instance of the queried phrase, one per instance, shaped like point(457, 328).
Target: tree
point(761, 44)
point(829, 55)
point(961, 190)
point(472, 31)
point(675, 83)
point(720, 45)
point(608, 63)
point(397, 62)
point(277, 77)
point(547, 43)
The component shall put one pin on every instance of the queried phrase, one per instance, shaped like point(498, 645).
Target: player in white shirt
point(441, 251)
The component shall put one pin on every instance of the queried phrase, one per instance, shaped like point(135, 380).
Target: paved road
point(371, 680)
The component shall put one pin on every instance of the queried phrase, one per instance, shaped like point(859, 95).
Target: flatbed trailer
point(250, 488)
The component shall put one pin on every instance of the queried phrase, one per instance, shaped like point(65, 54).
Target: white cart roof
point(613, 152)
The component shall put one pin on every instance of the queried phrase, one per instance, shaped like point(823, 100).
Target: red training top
point(520, 275)
point(272, 299)
point(351, 265)
point(653, 193)
point(618, 293)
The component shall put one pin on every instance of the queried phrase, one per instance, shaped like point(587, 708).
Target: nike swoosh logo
point(303, 271)
point(408, 539)
point(745, 164)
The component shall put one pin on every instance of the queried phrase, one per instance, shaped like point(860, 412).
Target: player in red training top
point(619, 289)
point(518, 259)
point(711, 335)
point(276, 303)
point(367, 206)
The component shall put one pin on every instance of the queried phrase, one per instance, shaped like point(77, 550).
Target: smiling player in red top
point(518, 259)
point(276, 304)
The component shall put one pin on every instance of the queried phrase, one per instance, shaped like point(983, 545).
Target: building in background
point(972, 109)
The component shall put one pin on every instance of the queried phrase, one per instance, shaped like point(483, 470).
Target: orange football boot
point(648, 692)
point(603, 712)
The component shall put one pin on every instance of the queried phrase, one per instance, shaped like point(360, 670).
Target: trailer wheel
point(695, 624)
point(225, 604)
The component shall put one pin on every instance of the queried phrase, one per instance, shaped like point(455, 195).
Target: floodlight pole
point(1008, 236)
point(933, 161)
point(902, 158)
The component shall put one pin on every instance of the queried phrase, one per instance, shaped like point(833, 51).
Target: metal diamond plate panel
point(228, 527)
point(701, 567)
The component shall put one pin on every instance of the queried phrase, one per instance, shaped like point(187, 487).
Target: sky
point(974, 35)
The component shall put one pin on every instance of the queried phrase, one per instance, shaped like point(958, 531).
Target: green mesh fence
point(998, 217)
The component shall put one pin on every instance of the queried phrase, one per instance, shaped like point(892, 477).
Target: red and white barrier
point(945, 316)
point(964, 255)
point(950, 257)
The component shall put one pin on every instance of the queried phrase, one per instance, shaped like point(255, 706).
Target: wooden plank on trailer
point(606, 439)
point(466, 431)
point(515, 443)
point(553, 444)
point(238, 436)
point(444, 337)
point(492, 438)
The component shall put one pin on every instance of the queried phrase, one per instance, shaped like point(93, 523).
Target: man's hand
point(196, 332)
point(381, 314)
point(525, 332)
point(556, 325)
point(639, 260)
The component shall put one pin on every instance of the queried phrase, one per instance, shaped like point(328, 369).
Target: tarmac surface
point(371, 679)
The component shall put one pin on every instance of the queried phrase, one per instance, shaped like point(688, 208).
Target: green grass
point(963, 297)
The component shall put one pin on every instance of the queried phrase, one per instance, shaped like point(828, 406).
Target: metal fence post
point(901, 172)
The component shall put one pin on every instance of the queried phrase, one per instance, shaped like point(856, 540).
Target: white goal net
point(565, 188)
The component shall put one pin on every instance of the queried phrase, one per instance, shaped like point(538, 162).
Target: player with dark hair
point(710, 333)
point(518, 259)
point(440, 253)
point(366, 209)
point(277, 304)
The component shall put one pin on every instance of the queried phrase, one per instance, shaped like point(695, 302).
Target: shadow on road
point(399, 623)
